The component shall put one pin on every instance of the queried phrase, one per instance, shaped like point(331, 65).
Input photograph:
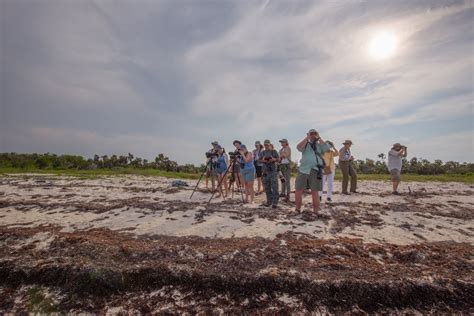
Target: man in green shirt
point(312, 147)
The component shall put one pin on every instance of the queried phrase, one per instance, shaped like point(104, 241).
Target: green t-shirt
point(309, 160)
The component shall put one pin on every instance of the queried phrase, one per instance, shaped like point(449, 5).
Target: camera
point(267, 158)
point(235, 155)
point(319, 174)
point(212, 154)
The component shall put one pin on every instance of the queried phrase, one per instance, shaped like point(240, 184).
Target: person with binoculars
point(394, 164)
point(222, 164)
point(346, 164)
point(269, 158)
point(310, 171)
point(247, 172)
point(211, 164)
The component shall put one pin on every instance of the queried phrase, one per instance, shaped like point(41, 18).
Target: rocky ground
point(135, 244)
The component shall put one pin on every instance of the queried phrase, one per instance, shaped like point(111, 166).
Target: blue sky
point(146, 77)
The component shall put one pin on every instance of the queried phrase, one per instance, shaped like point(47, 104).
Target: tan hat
point(347, 142)
point(284, 140)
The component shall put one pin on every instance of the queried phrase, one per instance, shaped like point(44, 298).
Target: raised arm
point(302, 144)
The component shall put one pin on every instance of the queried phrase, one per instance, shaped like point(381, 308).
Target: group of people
point(266, 165)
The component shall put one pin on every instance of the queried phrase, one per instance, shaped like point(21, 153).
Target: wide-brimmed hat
point(330, 143)
point(347, 142)
point(284, 140)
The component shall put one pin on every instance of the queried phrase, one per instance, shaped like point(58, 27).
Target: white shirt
point(394, 160)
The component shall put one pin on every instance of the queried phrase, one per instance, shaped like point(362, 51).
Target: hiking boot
point(320, 198)
point(282, 195)
point(287, 199)
point(346, 193)
point(274, 206)
point(395, 193)
point(266, 204)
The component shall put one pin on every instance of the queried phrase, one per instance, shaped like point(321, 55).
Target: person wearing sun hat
point(258, 166)
point(285, 168)
point(395, 163)
point(311, 147)
point(247, 170)
point(345, 163)
point(210, 166)
point(269, 158)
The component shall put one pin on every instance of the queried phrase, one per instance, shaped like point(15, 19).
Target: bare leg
point(315, 197)
point(252, 193)
point(298, 199)
point(225, 186)
point(395, 185)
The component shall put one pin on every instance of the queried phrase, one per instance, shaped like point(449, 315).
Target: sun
point(383, 45)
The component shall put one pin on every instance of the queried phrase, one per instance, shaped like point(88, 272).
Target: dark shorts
point(395, 174)
point(304, 181)
point(259, 171)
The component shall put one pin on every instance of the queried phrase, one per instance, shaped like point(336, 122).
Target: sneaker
point(329, 199)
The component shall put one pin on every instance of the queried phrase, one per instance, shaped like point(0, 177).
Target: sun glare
point(383, 45)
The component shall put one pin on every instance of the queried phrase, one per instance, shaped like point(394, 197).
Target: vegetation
point(416, 169)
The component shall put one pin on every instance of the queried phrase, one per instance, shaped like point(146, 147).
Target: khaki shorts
point(395, 173)
point(303, 181)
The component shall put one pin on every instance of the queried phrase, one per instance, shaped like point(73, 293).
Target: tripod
point(209, 163)
point(231, 165)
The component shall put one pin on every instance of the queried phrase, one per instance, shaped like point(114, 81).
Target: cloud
point(125, 74)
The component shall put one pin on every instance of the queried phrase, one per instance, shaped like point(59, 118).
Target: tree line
point(161, 162)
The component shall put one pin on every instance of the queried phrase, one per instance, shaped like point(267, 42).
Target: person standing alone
point(395, 163)
point(347, 169)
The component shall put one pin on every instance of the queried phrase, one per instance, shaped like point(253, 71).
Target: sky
point(149, 77)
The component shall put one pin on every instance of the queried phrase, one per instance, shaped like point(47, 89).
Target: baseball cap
point(284, 140)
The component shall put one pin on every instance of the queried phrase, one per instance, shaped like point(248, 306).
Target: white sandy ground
point(374, 196)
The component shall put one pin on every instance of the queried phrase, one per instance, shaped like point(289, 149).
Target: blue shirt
point(247, 165)
point(309, 160)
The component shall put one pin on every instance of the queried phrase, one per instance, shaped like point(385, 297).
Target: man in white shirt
point(394, 164)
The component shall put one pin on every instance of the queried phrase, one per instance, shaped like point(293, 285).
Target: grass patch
point(98, 173)
point(37, 302)
point(463, 178)
point(93, 174)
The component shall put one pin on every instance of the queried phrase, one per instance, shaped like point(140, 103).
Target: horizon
point(170, 77)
